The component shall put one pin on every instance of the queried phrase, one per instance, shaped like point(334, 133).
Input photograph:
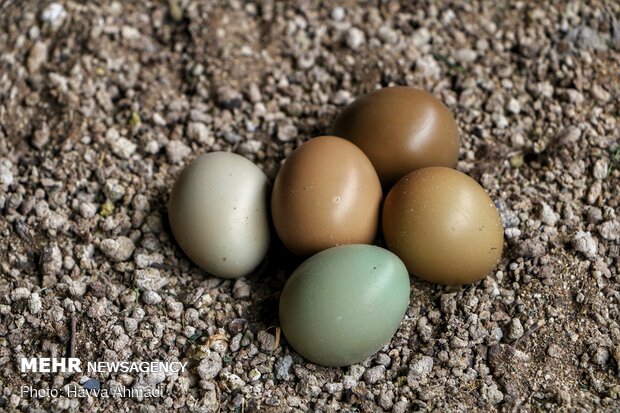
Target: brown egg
point(401, 129)
point(327, 193)
point(443, 225)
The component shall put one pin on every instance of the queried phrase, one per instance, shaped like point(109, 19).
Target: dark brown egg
point(443, 225)
point(326, 194)
point(400, 129)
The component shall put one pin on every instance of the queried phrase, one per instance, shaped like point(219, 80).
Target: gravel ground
point(102, 104)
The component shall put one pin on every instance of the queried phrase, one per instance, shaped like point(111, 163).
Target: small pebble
point(419, 368)
point(267, 341)
point(241, 289)
point(20, 293)
point(282, 367)
point(176, 151)
point(515, 329)
point(547, 215)
point(338, 14)
point(355, 38)
point(610, 230)
point(54, 14)
point(151, 297)
point(585, 243)
point(210, 366)
point(374, 374)
point(34, 303)
point(117, 249)
point(149, 279)
point(234, 382)
point(37, 56)
point(287, 133)
point(601, 167)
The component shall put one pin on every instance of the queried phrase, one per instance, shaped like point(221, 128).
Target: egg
point(343, 304)
point(443, 225)
point(219, 214)
point(401, 129)
point(327, 193)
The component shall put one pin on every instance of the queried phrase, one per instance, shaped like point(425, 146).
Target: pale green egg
point(344, 303)
point(219, 214)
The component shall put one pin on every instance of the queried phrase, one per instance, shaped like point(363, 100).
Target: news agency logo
point(50, 365)
point(94, 387)
point(74, 365)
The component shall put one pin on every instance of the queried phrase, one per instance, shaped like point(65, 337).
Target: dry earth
point(102, 103)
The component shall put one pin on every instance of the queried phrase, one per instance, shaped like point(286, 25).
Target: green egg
point(344, 303)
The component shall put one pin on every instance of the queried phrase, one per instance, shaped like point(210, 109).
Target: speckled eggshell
point(443, 225)
point(343, 304)
point(327, 193)
point(219, 214)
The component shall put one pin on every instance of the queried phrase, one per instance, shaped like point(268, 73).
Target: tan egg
point(443, 225)
point(401, 129)
point(326, 194)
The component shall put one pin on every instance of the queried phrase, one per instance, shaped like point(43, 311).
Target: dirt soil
point(102, 104)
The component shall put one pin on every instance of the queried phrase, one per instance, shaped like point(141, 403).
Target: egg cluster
point(346, 301)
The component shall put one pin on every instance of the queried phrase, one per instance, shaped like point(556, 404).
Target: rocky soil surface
point(102, 103)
